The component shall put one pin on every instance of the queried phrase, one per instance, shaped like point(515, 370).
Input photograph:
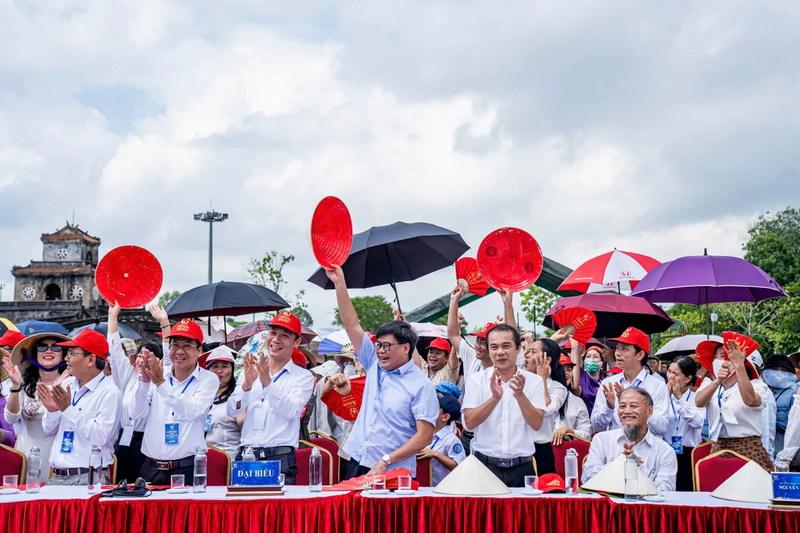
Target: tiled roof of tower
point(39, 268)
point(69, 233)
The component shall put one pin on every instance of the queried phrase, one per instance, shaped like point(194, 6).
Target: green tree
point(167, 297)
point(268, 272)
point(773, 244)
point(535, 302)
point(442, 321)
point(372, 312)
point(235, 323)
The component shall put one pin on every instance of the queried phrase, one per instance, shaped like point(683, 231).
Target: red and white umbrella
point(613, 271)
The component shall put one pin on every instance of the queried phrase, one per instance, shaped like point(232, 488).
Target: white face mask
point(718, 366)
point(350, 371)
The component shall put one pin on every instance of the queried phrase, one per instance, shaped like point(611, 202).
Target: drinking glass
point(177, 481)
point(531, 483)
point(379, 483)
point(404, 482)
point(10, 482)
point(281, 479)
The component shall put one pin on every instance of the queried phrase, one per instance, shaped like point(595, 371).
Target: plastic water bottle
point(200, 469)
point(248, 454)
point(34, 473)
point(571, 471)
point(781, 467)
point(631, 478)
point(315, 471)
point(95, 470)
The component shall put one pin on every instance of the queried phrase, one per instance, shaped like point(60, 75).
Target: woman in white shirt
point(735, 400)
point(575, 421)
point(542, 357)
point(687, 419)
point(222, 431)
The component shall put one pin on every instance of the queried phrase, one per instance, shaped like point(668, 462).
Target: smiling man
point(399, 407)
point(656, 458)
point(274, 392)
point(442, 362)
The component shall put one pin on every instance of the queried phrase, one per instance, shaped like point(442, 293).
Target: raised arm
point(737, 357)
point(453, 324)
point(347, 313)
point(508, 308)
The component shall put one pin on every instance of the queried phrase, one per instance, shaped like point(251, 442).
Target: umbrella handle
point(396, 297)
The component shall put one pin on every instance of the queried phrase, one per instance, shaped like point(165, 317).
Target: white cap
point(756, 359)
point(220, 353)
point(751, 484)
point(471, 478)
point(611, 479)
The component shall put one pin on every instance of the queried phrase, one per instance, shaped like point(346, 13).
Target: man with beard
point(656, 458)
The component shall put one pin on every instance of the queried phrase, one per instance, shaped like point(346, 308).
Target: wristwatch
point(387, 459)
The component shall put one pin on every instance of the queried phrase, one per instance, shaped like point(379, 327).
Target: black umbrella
point(225, 298)
point(126, 332)
point(386, 255)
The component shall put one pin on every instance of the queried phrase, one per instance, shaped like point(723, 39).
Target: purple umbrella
point(705, 279)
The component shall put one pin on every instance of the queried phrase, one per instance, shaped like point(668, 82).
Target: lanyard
point(677, 420)
point(76, 402)
point(637, 382)
point(721, 391)
point(275, 380)
point(184, 387)
point(435, 440)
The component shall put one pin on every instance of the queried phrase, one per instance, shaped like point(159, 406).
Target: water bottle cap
point(315, 451)
point(572, 451)
point(96, 449)
point(35, 449)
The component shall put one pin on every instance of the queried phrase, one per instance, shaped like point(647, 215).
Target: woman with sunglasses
point(42, 361)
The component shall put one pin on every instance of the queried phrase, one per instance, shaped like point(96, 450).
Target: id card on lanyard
point(172, 430)
point(677, 440)
point(68, 438)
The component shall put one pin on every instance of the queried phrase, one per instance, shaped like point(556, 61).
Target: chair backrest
point(333, 448)
point(219, 467)
point(701, 450)
point(712, 471)
point(112, 469)
point(581, 446)
point(425, 472)
point(323, 436)
point(13, 462)
point(302, 456)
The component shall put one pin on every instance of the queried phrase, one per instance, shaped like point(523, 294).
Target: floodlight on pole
point(211, 217)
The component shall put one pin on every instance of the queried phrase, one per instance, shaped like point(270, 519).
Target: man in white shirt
point(274, 392)
point(175, 405)
point(631, 352)
point(504, 408)
point(83, 414)
point(656, 458)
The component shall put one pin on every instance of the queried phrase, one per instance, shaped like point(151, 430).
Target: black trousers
point(129, 458)
point(466, 439)
point(355, 470)
point(288, 463)
point(513, 476)
point(683, 481)
point(155, 476)
point(545, 459)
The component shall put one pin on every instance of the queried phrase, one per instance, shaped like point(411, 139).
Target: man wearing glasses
point(83, 412)
point(175, 405)
point(399, 407)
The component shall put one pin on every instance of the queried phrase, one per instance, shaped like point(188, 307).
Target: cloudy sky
point(661, 129)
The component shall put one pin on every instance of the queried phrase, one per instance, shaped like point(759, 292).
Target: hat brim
point(28, 342)
point(622, 340)
point(3, 373)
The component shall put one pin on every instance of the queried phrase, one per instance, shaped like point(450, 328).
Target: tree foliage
point(442, 321)
point(773, 244)
point(535, 302)
point(167, 297)
point(372, 312)
point(268, 272)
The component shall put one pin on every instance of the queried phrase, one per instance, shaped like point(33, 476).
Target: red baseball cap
point(552, 482)
point(91, 342)
point(288, 321)
point(299, 358)
point(440, 344)
point(565, 360)
point(615, 370)
point(11, 338)
point(188, 329)
point(635, 336)
point(485, 331)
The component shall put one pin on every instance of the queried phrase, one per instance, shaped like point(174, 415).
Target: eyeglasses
point(52, 347)
point(182, 346)
point(71, 353)
point(385, 346)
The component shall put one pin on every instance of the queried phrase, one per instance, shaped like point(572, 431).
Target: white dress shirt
point(659, 462)
point(731, 417)
point(769, 421)
point(504, 434)
point(185, 403)
point(93, 418)
point(686, 420)
point(472, 365)
point(558, 395)
point(576, 417)
point(273, 413)
point(605, 418)
point(126, 379)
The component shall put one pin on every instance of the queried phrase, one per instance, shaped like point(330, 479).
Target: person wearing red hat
point(83, 412)
point(10, 339)
point(273, 391)
point(175, 404)
point(631, 352)
point(442, 362)
point(575, 421)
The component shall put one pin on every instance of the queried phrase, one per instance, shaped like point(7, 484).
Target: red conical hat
point(331, 232)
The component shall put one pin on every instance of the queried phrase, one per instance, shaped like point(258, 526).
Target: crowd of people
point(507, 399)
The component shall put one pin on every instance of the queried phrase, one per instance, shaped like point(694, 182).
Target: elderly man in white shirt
point(656, 458)
point(83, 414)
point(504, 407)
point(631, 352)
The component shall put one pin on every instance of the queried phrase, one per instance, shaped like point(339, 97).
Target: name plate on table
point(786, 485)
point(255, 473)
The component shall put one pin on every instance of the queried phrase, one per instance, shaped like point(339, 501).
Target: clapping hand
point(612, 391)
point(153, 367)
point(263, 370)
point(517, 384)
point(55, 399)
point(496, 386)
point(249, 370)
point(735, 354)
point(13, 372)
point(542, 366)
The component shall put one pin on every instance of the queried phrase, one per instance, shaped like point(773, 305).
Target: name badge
point(207, 426)
point(677, 444)
point(171, 433)
point(127, 436)
point(260, 418)
point(66, 441)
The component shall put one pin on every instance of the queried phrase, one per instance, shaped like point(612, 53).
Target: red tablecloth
point(43, 516)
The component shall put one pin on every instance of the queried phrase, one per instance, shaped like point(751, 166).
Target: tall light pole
point(211, 217)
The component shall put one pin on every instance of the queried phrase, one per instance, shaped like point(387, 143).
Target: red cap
point(440, 344)
point(91, 342)
point(299, 358)
point(551, 482)
point(635, 336)
point(565, 360)
point(187, 328)
point(485, 331)
point(287, 320)
point(615, 370)
point(11, 338)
